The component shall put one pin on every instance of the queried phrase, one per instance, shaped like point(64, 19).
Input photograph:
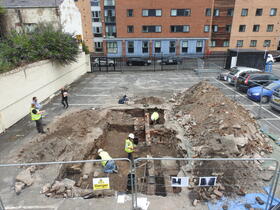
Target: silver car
point(236, 71)
point(275, 99)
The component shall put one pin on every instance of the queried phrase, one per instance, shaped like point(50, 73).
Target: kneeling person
point(107, 162)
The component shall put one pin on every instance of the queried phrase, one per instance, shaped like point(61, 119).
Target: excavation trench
point(154, 140)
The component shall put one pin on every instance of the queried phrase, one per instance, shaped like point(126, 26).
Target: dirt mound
point(218, 127)
point(67, 135)
point(149, 100)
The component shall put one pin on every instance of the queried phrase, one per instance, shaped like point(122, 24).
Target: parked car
point(171, 61)
point(277, 58)
point(254, 79)
point(263, 94)
point(138, 62)
point(275, 100)
point(103, 62)
point(236, 71)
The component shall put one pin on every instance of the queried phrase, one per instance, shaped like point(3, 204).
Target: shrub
point(44, 42)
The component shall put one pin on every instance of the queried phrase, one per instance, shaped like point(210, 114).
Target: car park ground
point(97, 90)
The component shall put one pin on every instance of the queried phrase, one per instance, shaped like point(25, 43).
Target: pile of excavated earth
point(200, 122)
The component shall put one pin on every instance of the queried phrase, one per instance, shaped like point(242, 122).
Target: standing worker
point(64, 97)
point(107, 162)
point(155, 117)
point(37, 104)
point(129, 146)
point(36, 116)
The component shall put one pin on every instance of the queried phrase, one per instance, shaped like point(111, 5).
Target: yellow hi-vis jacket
point(105, 157)
point(128, 146)
point(35, 116)
point(154, 116)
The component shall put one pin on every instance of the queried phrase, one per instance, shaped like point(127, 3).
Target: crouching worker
point(123, 100)
point(107, 162)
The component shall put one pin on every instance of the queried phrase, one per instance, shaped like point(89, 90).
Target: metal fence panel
point(206, 182)
point(52, 182)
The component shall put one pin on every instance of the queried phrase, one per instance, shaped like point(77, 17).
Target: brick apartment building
point(193, 27)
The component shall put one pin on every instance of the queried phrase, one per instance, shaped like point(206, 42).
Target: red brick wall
point(197, 20)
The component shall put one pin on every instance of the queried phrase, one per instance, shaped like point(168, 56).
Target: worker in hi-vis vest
point(129, 146)
point(155, 117)
point(107, 162)
point(36, 115)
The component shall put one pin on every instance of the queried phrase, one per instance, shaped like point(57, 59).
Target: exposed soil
point(214, 125)
point(149, 100)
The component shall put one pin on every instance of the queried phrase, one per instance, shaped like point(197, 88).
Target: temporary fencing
point(65, 179)
point(218, 181)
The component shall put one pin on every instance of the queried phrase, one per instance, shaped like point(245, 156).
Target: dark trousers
point(64, 102)
point(130, 156)
point(39, 125)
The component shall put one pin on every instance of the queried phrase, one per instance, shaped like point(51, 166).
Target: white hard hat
point(100, 150)
point(131, 135)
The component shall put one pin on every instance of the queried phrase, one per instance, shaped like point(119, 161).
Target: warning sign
point(101, 183)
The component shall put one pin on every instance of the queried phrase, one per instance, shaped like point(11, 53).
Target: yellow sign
point(101, 183)
point(79, 37)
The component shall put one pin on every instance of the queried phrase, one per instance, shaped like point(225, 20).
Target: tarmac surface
point(94, 90)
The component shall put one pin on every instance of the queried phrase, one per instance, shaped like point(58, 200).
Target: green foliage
point(44, 42)
point(85, 48)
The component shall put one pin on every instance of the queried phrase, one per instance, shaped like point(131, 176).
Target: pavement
point(96, 90)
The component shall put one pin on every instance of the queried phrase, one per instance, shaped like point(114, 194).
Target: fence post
point(2, 207)
point(260, 107)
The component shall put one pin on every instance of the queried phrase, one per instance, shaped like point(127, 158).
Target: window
point(253, 43)
point(130, 29)
point(97, 29)
point(172, 47)
point(206, 28)
point(96, 16)
point(180, 12)
point(129, 12)
point(208, 12)
point(256, 28)
point(228, 28)
point(130, 46)
point(259, 12)
point(273, 12)
point(184, 46)
point(199, 45)
point(151, 29)
point(109, 2)
point(239, 43)
point(266, 43)
point(244, 12)
point(185, 28)
point(110, 15)
point(213, 43)
point(270, 28)
point(226, 43)
point(111, 31)
point(216, 12)
point(98, 46)
point(157, 47)
point(242, 28)
point(95, 3)
point(230, 12)
point(151, 12)
point(112, 47)
point(215, 28)
point(145, 47)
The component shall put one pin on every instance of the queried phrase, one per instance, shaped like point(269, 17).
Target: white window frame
point(112, 47)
